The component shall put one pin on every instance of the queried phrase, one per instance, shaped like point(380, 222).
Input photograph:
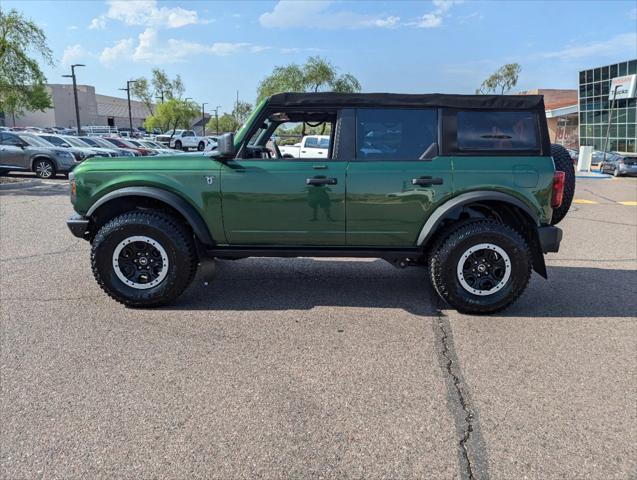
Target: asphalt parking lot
point(318, 368)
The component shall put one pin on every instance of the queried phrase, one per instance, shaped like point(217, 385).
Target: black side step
point(401, 257)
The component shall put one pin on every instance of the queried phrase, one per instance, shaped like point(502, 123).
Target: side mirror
point(225, 146)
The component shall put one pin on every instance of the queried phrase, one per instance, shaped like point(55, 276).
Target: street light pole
point(610, 115)
point(203, 118)
point(217, 117)
point(77, 108)
point(130, 115)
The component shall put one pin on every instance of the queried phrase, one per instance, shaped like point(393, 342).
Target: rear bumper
point(78, 225)
point(550, 238)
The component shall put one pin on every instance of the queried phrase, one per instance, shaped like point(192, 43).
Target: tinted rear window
point(394, 134)
point(497, 131)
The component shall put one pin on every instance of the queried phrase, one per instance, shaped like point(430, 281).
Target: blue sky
point(391, 46)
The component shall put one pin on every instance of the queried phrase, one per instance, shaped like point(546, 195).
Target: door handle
point(321, 180)
point(426, 181)
point(319, 167)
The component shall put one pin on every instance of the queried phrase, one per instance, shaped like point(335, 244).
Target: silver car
point(80, 153)
point(619, 163)
point(27, 152)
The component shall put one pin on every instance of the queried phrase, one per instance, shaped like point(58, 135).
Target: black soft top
point(482, 102)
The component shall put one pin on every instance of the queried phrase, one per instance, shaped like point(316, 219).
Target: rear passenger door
point(396, 178)
point(12, 151)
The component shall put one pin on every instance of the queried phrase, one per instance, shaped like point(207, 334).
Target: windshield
point(76, 142)
point(35, 141)
point(90, 141)
point(101, 142)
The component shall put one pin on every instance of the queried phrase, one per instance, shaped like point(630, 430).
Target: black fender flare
point(189, 212)
point(438, 216)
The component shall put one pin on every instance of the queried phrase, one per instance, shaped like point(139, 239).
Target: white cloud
point(434, 19)
point(73, 53)
point(428, 20)
point(315, 14)
point(98, 23)
point(150, 49)
point(146, 13)
point(72, 27)
point(617, 46)
point(122, 48)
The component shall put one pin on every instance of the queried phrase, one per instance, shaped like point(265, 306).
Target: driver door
point(283, 201)
point(12, 151)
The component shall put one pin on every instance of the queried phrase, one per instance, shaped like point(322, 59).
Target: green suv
point(467, 185)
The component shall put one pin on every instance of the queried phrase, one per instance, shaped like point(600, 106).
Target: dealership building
point(595, 96)
point(95, 109)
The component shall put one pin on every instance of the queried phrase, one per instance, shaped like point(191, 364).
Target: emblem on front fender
point(209, 179)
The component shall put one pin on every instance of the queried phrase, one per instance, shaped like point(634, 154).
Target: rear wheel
point(563, 163)
point(44, 168)
point(480, 267)
point(143, 259)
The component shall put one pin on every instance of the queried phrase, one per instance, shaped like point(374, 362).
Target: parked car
point(183, 140)
point(619, 163)
point(125, 143)
point(156, 147)
point(99, 151)
point(310, 146)
point(27, 152)
point(140, 144)
point(101, 143)
point(574, 154)
point(80, 153)
point(469, 209)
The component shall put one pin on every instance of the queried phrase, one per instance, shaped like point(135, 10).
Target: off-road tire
point(563, 163)
point(178, 145)
point(448, 250)
point(41, 172)
point(169, 232)
point(201, 146)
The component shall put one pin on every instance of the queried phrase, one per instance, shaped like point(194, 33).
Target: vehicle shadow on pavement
point(305, 283)
point(578, 292)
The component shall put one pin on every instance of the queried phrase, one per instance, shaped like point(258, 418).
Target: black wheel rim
point(140, 262)
point(484, 269)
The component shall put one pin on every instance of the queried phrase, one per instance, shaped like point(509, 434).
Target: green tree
point(502, 80)
point(22, 82)
point(171, 115)
point(230, 122)
point(163, 88)
point(316, 75)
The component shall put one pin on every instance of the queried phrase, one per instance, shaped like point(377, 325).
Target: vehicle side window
point(312, 142)
point(9, 139)
point(492, 130)
point(188, 134)
point(394, 134)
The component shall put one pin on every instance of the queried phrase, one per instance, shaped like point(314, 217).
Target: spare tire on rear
point(563, 163)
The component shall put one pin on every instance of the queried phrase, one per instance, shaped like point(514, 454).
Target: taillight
point(558, 189)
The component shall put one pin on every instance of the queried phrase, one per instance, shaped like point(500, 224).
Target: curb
point(20, 185)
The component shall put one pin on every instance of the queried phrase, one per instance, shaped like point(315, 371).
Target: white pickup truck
point(183, 140)
point(310, 146)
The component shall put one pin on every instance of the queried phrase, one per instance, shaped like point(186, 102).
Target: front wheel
point(616, 172)
point(44, 168)
point(178, 145)
point(143, 259)
point(481, 267)
point(201, 146)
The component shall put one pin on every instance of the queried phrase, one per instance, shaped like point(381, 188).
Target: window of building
point(394, 134)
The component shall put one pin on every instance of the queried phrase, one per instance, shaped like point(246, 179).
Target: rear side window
point(394, 134)
point(311, 142)
point(497, 130)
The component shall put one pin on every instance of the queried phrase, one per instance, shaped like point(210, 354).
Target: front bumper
point(550, 238)
point(78, 225)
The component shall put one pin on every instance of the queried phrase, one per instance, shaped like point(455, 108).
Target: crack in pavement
point(471, 446)
point(36, 255)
